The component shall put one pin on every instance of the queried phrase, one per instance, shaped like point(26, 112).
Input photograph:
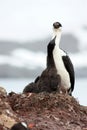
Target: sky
point(23, 20)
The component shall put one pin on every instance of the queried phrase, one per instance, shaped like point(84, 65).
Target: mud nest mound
point(49, 111)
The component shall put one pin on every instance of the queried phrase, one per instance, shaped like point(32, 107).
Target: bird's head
point(57, 29)
point(57, 25)
point(19, 126)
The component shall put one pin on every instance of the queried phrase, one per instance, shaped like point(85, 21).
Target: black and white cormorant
point(62, 61)
point(59, 72)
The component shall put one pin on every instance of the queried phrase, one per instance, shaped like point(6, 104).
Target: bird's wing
point(69, 67)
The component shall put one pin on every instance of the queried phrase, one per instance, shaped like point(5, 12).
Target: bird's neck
point(57, 35)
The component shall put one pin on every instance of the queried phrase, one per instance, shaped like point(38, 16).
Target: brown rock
point(7, 116)
point(7, 121)
point(3, 91)
point(49, 111)
point(43, 111)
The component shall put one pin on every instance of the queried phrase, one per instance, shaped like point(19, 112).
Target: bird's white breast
point(61, 70)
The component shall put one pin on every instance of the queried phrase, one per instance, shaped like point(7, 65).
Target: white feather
point(57, 55)
point(24, 124)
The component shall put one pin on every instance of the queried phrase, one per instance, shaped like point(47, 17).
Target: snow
point(31, 60)
point(24, 58)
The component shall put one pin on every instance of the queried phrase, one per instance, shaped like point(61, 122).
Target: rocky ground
point(42, 111)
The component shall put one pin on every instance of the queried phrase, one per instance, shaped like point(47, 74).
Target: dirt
point(49, 111)
point(43, 111)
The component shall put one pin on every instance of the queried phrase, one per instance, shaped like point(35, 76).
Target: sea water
point(17, 85)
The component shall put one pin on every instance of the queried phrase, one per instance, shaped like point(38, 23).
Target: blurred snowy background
point(26, 29)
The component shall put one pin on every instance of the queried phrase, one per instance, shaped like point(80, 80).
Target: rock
point(50, 111)
point(3, 91)
point(7, 121)
point(42, 111)
point(7, 116)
